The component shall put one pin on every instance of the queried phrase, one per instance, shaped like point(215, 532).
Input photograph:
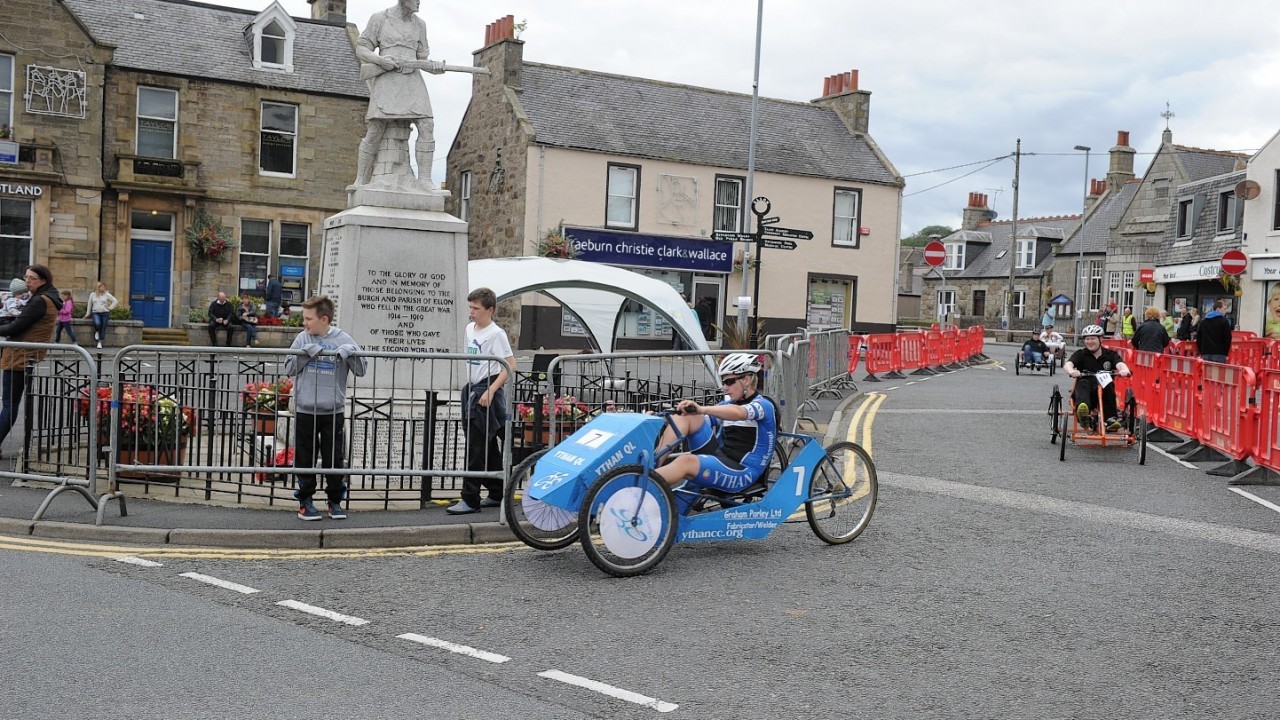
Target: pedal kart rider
point(1033, 351)
point(730, 443)
point(1053, 339)
point(1094, 358)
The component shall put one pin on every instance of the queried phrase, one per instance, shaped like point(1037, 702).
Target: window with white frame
point(1019, 303)
point(1026, 253)
point(273, 34)
point(728, 205)
point(157, 122)
point(1095, 284)
point(1130, 281)
point(15, 236)
point(622, 201)
point(464, 196)
point(844, 225)
point(277, 147)
point(272, 44)
point(1226, 212)
point(1185, 221)
point(955, 256)
point(6, 96)
point(1113, 284)
point(946, 303)
point(255, 256)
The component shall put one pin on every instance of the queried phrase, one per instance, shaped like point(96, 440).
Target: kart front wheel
point(539, 525)
point(842, 493)
point(628, 521)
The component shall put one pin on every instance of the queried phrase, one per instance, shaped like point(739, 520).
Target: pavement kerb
point(837, 419)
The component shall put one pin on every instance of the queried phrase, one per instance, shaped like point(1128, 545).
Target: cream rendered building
point(642, 174)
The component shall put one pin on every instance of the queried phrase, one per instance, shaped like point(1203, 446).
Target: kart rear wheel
point(628, 521)
point(1142, 441)
point(1052, 364)
point(538, 524)
point(1017, 365)
point(1066, 435)
point(842, 493)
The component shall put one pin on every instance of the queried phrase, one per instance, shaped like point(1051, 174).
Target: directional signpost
point(786, 232)
point(778, 244)
point(733, 236)
point(766, 225)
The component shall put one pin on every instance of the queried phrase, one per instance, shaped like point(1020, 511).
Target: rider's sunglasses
point(731, 380)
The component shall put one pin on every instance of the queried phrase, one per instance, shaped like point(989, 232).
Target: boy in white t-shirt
point(483, 402)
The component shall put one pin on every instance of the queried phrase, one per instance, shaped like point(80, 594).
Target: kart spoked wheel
point(1142, 441)
point(1017, 365)
point(1066, 435)
point(1053, 363)
point(842, 493)
point(628, 521)
point(538, 524)
point(1055, 409)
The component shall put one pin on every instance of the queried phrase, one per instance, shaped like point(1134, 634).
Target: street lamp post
point(1082, 282)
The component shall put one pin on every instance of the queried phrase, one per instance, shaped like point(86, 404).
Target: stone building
point(131, 116)
point(641, 174)
point(1259, 303)
point(1106, 204)
point(979, 258)
point(1205, 220)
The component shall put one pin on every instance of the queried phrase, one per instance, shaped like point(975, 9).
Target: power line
point(957, 167)
point(960, 177)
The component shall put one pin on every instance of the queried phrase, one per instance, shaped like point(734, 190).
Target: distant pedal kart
point(1093, 432)
point(1024, 362)
point(598, 487)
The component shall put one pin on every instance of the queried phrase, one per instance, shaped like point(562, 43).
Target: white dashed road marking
point(1255, 498)
point(137, 561)
point(454, 648)
point(224, 584)
point(321, 612)
point(611, 691)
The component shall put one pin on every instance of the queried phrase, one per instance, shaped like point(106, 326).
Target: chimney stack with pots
point(840, 93)
point(976, 212)
point(1121, 170)
point(329, 10)
point(502, 53)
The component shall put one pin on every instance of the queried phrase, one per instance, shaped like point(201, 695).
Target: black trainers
point(336, 512)
point(308, 511)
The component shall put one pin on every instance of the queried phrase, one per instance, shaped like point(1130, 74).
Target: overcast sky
point(952, 83)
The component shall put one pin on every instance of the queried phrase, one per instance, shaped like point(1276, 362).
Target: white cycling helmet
point(1093, 331)
point(739, 363)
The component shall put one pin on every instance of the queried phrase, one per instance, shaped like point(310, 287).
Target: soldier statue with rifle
point(392, 50)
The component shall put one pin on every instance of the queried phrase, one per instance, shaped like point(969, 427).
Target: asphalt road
point(993, 582)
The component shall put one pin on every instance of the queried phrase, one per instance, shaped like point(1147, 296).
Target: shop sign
point(1191, 272)
point(8, 152)
point(34, 191)
point(654, 251)
point(1265, 268)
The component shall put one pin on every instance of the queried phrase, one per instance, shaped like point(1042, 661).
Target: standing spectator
point(100, 305)
point(484, 404)
point(271, 296)
point(34, 325)
point(1151, 335)
point(64, 317)
point(1167, 322)
point(1047, 319)
point(1184, 325)
point(247, 318)
point(220, 314)
point(1195, 323)
point(1129, 324)
point(1215, 333)
point(319, 395)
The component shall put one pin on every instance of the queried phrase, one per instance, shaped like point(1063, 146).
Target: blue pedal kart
point(598, 487)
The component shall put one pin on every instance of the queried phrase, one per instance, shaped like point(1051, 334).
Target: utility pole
point(750, 191)
point(1013, 237)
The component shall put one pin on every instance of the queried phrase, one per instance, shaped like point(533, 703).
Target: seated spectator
point(220, 315)
point(247, 318)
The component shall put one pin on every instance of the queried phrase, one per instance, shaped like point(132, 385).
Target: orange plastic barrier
point(1225, 421)
point(979, 339)
point(1238, 335)
point(1146, 384)
point(855, 350)
point(952, 351)
point(1179, 399)
point(1266, 437)
point(1272, 359)
point(1248, 352)
point(1185, 348)
point(911, 351)
point(933, 351)
point(882, 350)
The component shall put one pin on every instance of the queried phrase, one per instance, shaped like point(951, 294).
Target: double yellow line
point(860, 425)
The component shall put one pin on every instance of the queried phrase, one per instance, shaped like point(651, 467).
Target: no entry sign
point(935, 254)
point(1234, 262)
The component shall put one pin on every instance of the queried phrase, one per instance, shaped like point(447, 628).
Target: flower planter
point(566, 429)
point(264, 423)
point(150, 456)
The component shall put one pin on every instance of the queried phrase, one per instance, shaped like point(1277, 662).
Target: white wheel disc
point(630, 522)
point(545, 516)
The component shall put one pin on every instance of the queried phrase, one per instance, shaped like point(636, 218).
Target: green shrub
point(121, 312)
point(293, 320)
point(197, 315)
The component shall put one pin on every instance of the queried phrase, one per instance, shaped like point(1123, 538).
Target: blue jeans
point(100, 324)
point(65, 326)
point(1220, 359)
point(273, 308)
point(13, 383)
point(1032, 356)
point(251, 334)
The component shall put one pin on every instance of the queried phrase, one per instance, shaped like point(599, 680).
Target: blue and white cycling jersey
point(734, 453)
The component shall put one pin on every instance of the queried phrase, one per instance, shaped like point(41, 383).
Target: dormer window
point(271, 37)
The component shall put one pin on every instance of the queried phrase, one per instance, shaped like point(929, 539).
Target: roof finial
point(1168, 114)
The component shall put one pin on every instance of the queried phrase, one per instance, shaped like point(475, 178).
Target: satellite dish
point(1248, 189)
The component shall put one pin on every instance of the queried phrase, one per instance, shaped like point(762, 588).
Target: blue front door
point(149, 263)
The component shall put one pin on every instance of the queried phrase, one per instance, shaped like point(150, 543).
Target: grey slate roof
point(1199, 164)
point(206, 41)
point(1206, 242)
point(1102, 220)
point(983, 246)
point(616, 114)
